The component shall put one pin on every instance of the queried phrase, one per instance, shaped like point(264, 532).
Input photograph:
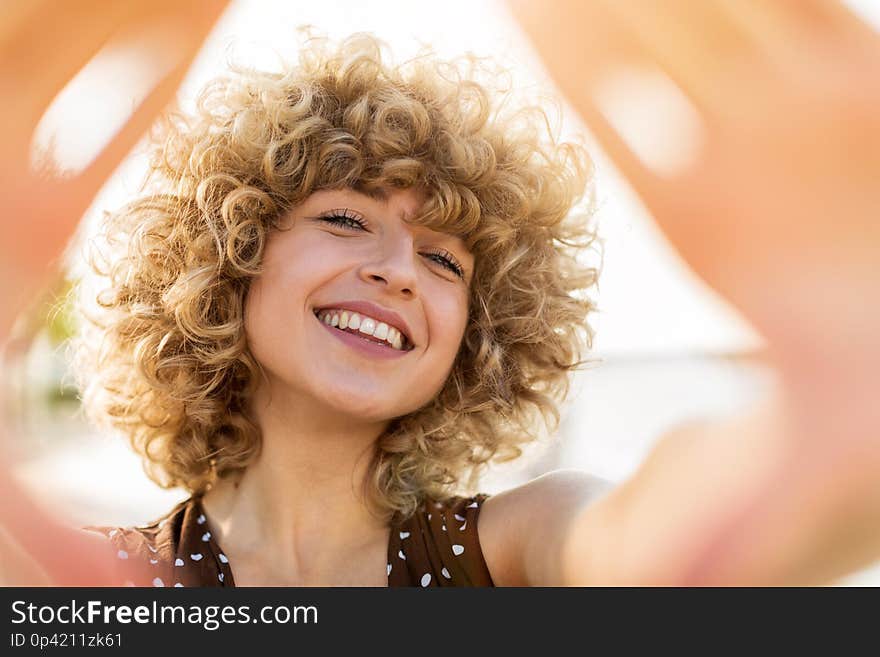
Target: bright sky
point(650, 303)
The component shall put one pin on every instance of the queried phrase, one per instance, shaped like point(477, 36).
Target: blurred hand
point(43, 44)
point(778, 208)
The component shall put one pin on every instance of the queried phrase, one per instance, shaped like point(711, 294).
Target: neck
point(300, 505)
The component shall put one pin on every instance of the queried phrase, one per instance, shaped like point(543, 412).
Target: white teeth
point(344, 319)
point(367, 326)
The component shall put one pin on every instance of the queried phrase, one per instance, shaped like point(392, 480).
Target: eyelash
point(346, 219)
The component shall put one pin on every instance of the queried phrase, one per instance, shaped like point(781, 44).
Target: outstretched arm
point(775, 204)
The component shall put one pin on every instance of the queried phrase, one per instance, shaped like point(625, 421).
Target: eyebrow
point(381, 194)
point(442, 234)
point(375, 193)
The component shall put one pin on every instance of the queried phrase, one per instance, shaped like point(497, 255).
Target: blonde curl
point(163, 357)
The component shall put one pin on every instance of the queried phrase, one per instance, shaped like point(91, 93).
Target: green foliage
point(60, 319)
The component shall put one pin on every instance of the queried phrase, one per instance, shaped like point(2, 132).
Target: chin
point(364, 407)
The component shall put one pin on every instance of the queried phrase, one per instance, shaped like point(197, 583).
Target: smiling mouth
point(405, 343)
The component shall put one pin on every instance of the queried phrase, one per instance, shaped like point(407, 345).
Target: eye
point(349, 220)
point(447, 260)
point(344, 219)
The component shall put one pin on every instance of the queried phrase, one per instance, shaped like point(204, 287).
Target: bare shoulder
point(522, 530)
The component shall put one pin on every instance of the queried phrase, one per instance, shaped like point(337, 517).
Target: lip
point(365, 347)
point(376, 312)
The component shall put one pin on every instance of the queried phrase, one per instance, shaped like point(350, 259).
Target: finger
point(48, 47)
point(187, 44)
point(694, 43)
point(580, 65)
point(792, 34)
point(15, 14)
point(824, 17)
point(58, 39)
point(87, 184)
point(641, 178)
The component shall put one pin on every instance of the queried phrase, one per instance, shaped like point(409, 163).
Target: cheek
point(272, 309)
point(258, 332)
point(448, 322)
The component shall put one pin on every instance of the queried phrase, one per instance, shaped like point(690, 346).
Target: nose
point(393, 266)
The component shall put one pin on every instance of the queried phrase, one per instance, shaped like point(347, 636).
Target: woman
point(349, 285)
point(710, 505)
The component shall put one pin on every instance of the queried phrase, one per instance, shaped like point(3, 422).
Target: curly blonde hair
point(163, 357)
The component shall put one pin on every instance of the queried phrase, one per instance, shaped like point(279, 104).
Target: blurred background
point(667, 349)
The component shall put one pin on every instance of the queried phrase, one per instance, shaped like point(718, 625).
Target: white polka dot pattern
point(431, 555)
point(185, 553)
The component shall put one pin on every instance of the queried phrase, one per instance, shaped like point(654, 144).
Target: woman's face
point(352, 259)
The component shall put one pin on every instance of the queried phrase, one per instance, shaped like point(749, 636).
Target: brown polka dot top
point(437, 546)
